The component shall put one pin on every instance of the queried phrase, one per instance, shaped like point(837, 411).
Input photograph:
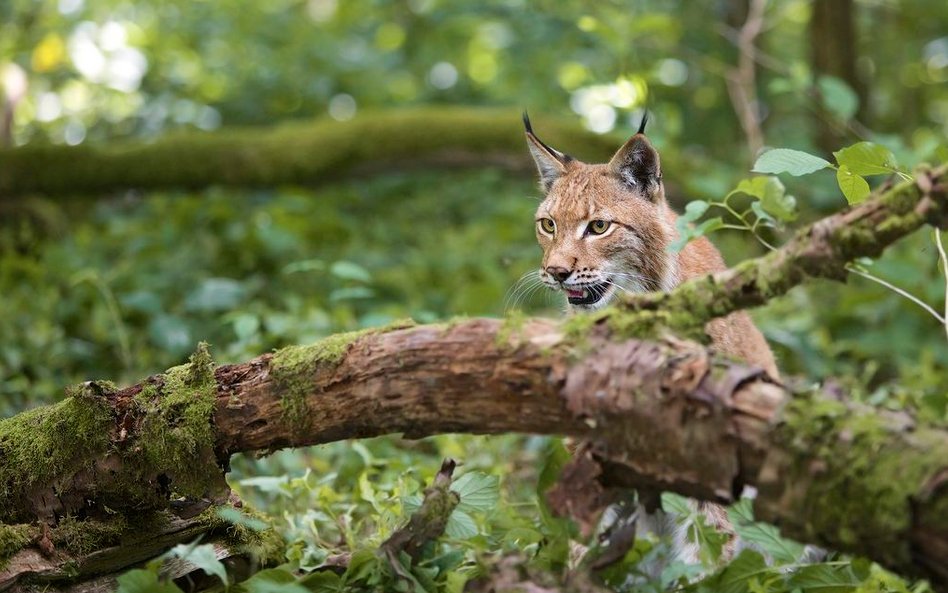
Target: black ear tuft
point(641, 125)
point(526, 122)
point(551, 163)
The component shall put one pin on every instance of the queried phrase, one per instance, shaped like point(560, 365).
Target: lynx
point(605, 230)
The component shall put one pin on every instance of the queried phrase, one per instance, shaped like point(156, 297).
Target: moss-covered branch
point(298, 152)
point(668, 415)
point(822, 250)
point(664, 414)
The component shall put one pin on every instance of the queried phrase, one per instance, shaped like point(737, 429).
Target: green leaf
point(478, 491)
point(348, 270)
point(202, 556)
point(676, 503)
point(215, 294)
point(275, 580)
point(144, 581)
point(786, 160)
point(772, 195)
point(321, 581)
point(853, 186)
point(741, 515)
point(694, 210)
point(867, 158)
point(460, 525)
point(824, 578)
point(735, 576)
point(838, 97)
point(235, 517)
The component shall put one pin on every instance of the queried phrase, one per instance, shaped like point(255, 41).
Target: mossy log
point(302, 152)
point(661, 412)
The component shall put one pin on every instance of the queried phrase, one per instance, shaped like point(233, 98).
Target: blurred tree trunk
point(833, 52)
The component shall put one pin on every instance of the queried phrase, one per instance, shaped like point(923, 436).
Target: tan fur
point(633, 252)
point(632, 255)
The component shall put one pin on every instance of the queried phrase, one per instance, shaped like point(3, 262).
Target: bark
point(661, 413)
point(304, 152)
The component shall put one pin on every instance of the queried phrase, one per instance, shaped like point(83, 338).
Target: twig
point(742, 80)
point(426, 524)
point(944, 265)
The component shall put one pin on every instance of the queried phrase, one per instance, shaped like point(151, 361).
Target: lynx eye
point(598, 227)
point(547, 225)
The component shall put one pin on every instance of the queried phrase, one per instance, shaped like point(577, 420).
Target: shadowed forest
point(263, 175)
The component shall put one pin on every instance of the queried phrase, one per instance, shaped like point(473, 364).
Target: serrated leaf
point(478, 491)
point(772, 195)
point(769, 539)
point(824, 578)
point(202, 556)
point(786, 160)
point(838, 97)
point(460, 525)
point(853, 186)
point(676, 503)
point(867, 158)
point(734, 577)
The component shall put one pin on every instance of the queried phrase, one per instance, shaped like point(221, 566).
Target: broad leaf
point(772, 195)
point(203, 556)
point(824, 578)
point(348, 270)
point(853, 186)
point(144, 581)
point(735, 576)
point(867, 158)
point(786, 160)
point(460, 525)
point(277, 580)
point(838, 97)
point(478, 491)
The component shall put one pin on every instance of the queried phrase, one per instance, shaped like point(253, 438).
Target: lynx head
point(603, 228)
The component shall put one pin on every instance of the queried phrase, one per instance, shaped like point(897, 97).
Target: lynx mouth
point(586, 295)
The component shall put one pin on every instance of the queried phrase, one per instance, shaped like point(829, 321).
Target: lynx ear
point(638, 166)
point(550, 163)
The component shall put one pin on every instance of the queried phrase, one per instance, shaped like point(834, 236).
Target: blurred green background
point(123, 285)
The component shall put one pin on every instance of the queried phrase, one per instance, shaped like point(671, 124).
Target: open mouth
point(586, 295)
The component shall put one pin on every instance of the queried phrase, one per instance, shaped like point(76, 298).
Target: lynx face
point(603, 228)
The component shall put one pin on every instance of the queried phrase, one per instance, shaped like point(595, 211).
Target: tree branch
point(309, 152)
point(666, 414)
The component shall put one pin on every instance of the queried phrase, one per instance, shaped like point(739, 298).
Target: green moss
point(253, 534)
point(14, 538)
point(294, 367)
point(48, 444)
point(508, 336)
point(856, 474)
point(80, 537)
point(176, 437)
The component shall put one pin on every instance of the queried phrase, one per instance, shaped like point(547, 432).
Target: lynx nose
point(560, 274)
